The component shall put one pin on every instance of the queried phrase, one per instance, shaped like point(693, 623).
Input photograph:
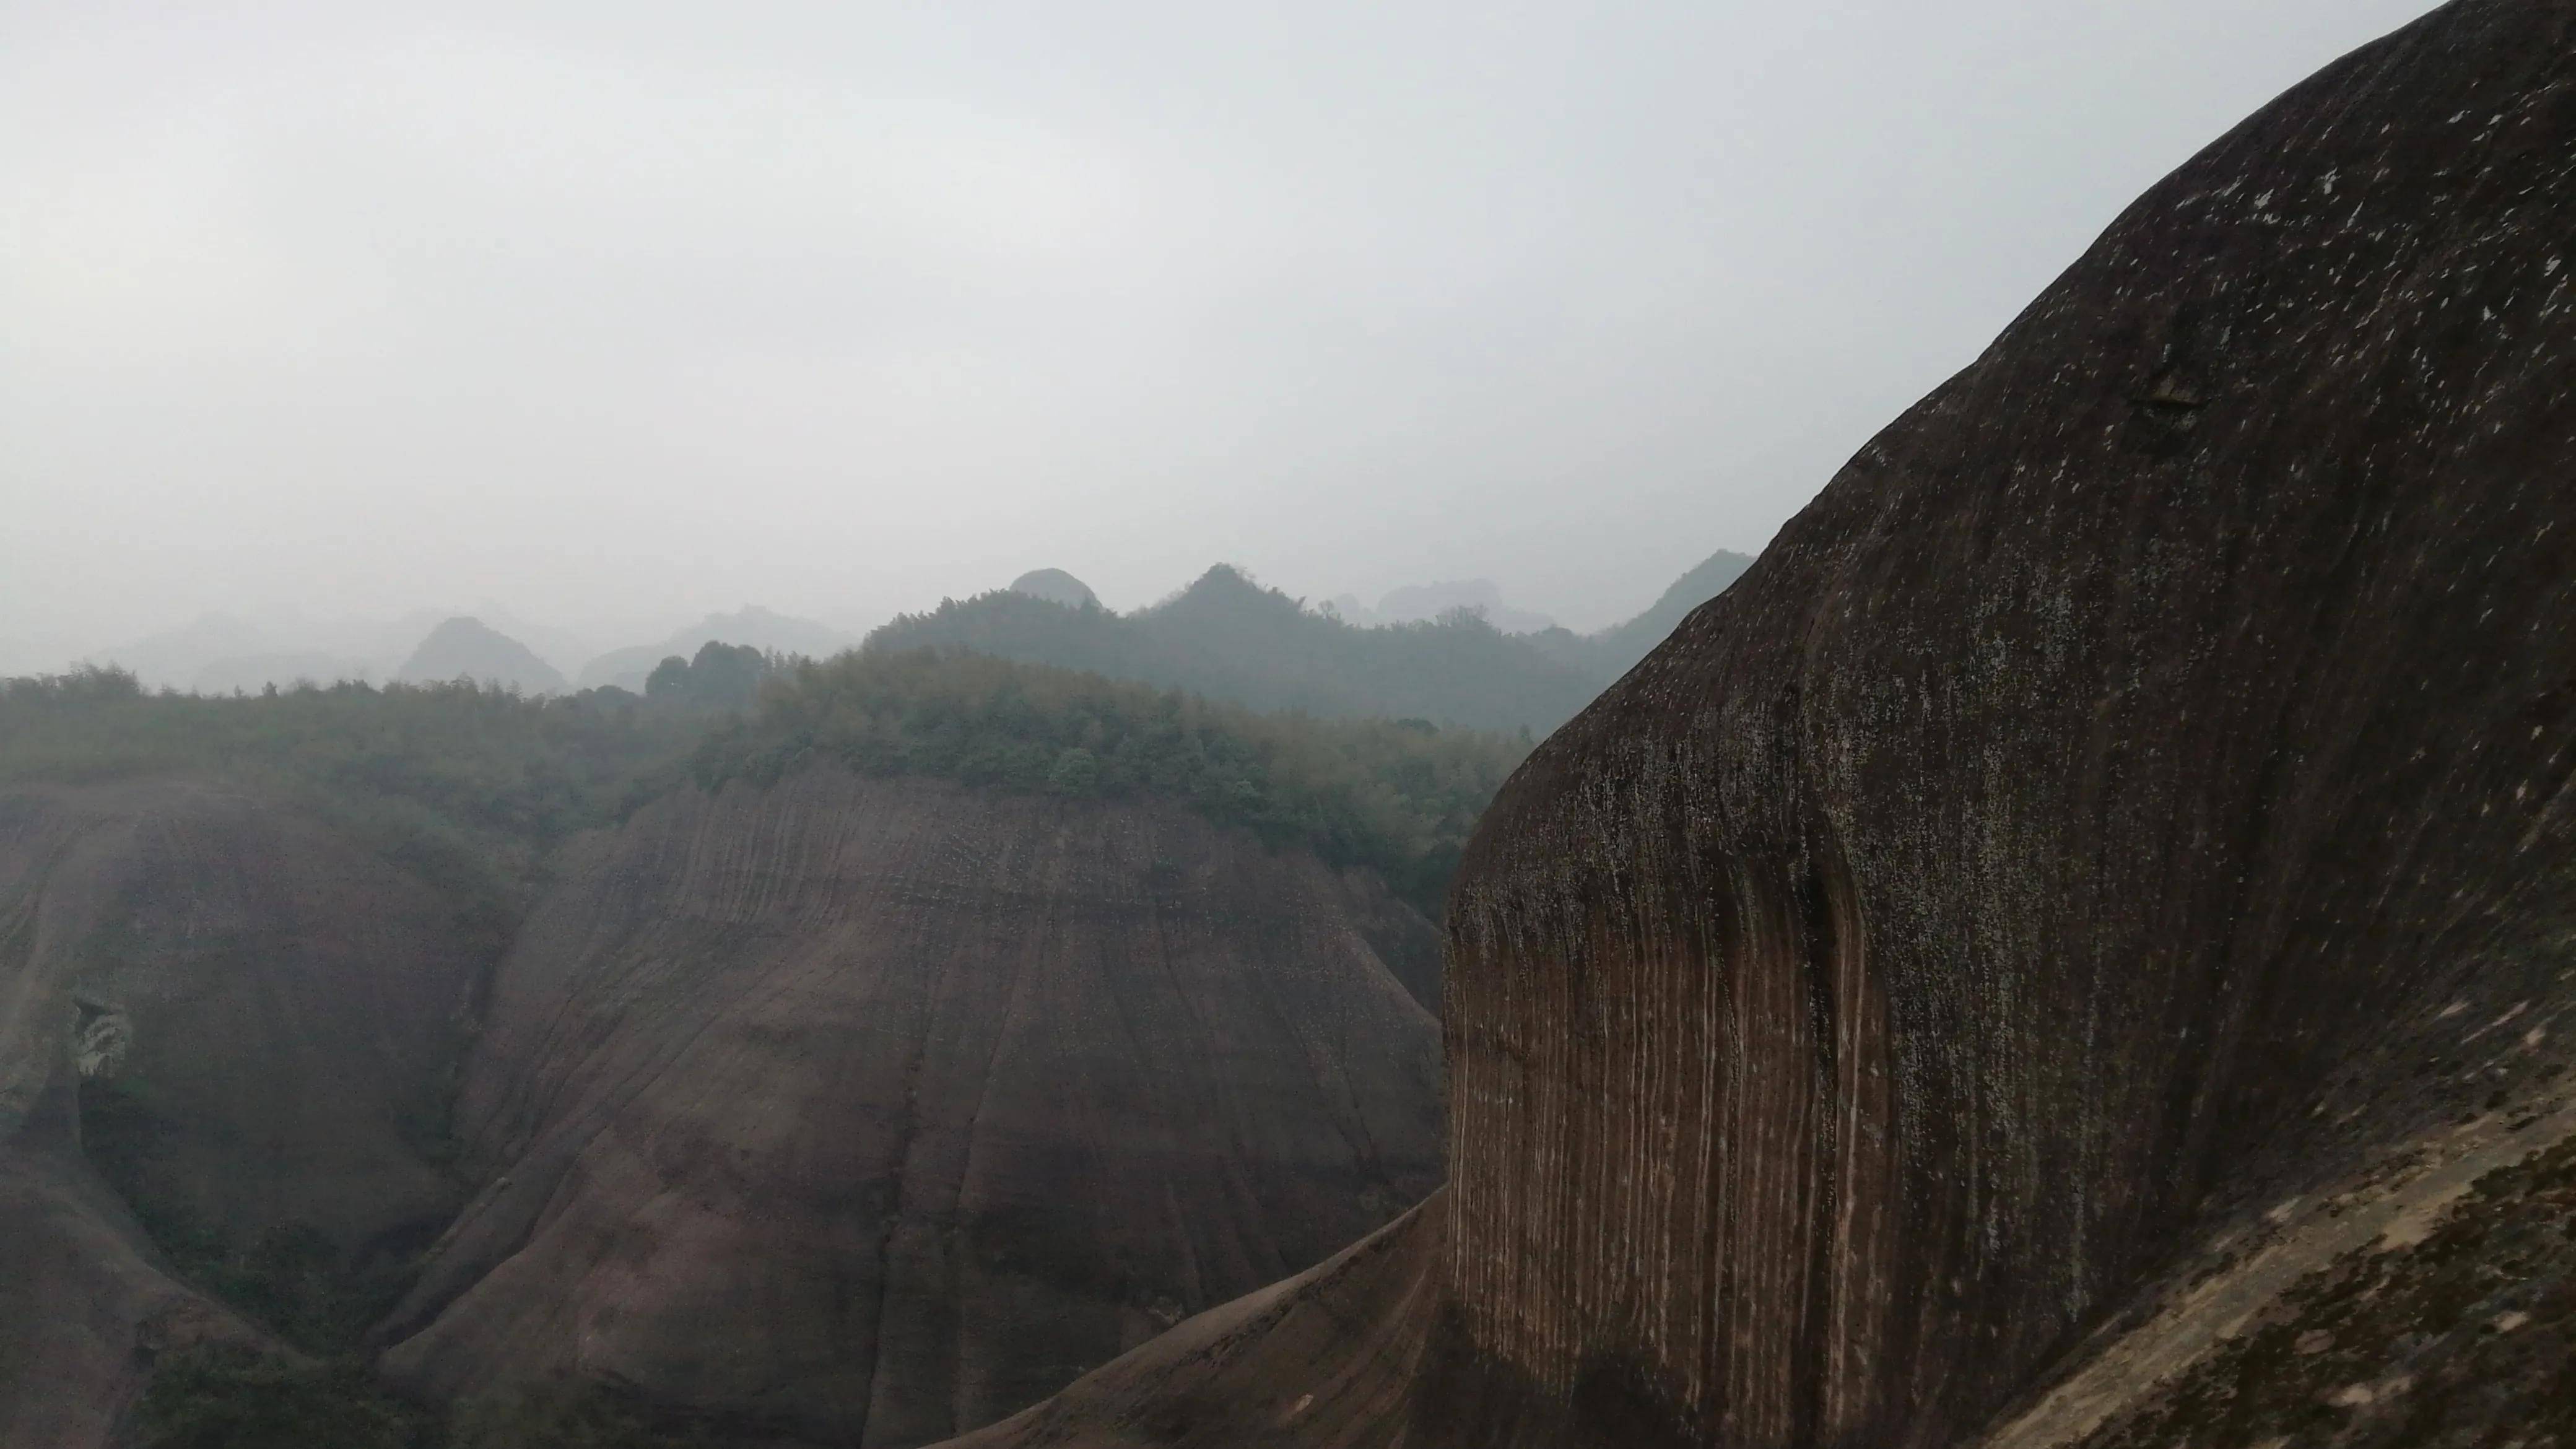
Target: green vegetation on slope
point(228, 1397)
point(721, 676)
point(467, 786)
point(1228, 638)
point(472, 787)
point(1397, 796)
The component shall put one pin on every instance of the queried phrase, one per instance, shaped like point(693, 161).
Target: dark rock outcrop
point(870, 1111)
point(2121, 828)
point(244, 1022)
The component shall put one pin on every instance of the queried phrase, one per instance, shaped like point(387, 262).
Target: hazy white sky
point(616, 313)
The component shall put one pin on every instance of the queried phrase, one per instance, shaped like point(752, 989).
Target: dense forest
point(474, 785)
point(1397, 796)
point(470, 785)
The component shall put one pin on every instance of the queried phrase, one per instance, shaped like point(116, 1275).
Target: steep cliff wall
point(2095, 810)
point(249, 1022)
point(2121, 827)
point(874, 1110)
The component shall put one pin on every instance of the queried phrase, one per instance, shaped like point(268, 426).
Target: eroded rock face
point(1230, 1378)
point(2080, 817)
point(2122, 807)
point(250, 1021)
point(871, 1111)
point(86, 1304)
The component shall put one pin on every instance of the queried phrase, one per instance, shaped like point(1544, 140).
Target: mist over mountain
point(1615, 650)
point(251, 673)
point(1056, 587)
point(173, 658)
point(1223, 642)
point(470, 649)
point(1433, 652)
point(218, 652)
point(1416, 603)
point(1228, 637)
point(750, 626)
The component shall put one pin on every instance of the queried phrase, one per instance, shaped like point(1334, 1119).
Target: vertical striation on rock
point(2111, 813)
point(2127, 754)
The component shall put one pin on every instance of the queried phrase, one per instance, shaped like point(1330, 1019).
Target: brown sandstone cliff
point(254, 1017)
point(2121, 827)
point(869, 1111)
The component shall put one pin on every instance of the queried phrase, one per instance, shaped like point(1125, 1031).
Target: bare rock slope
point(869, 1111)
point(247, 1019)
point(2119, 832)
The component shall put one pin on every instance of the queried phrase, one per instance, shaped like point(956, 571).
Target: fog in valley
point(329, 323)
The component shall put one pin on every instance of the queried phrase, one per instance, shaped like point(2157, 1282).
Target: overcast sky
point(616, 313)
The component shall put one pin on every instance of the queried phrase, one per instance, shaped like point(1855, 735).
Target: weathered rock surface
point(2428, 1299)
point(86, 1303)
point(871, 1111)
point(256, 1018)
point(2134, 796)
point(1320, 1361)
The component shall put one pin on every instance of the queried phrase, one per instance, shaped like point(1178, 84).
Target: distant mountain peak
point(467, 648)
point(1056, 587)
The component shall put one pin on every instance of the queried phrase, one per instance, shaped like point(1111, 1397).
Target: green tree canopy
point(1396, 796)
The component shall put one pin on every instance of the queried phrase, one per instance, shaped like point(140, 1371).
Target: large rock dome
point(2073, 947)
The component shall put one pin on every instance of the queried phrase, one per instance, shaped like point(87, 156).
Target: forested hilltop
point(477, 784)
point(1396, 796)
point(470, 785)
point(1228, 637)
